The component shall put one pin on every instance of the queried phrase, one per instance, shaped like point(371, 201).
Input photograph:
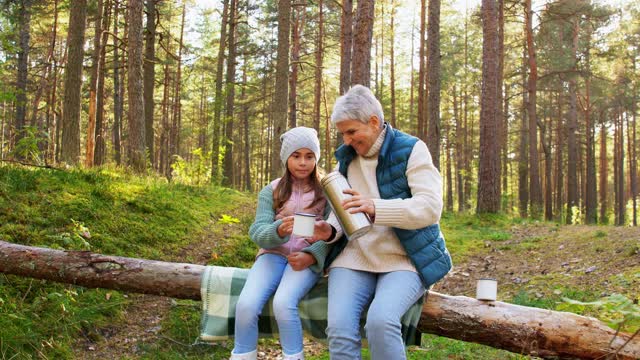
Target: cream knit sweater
point(380, 250)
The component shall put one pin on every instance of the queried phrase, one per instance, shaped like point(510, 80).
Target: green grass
point(104, 211)
point(466, 233)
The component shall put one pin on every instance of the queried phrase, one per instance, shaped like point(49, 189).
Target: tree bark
point(346, 45)
point(523, 167)
point(572, 124)
point(531, 331)
point(489, 159)
point(317, 89)
point(297, 31)
point(422, 68)
point(70, 144)
point(604, 173)
point(136, 148)
point(217, 105)
point(281, 93)
point(93, 86)
point(362, 37)
point(117, 90)
point(149, 77)
point(535, 191)
point(392, 65)
point(176, 118)
point(433, 81)
point(229, 169)
point(100, 143)
point(23, 70)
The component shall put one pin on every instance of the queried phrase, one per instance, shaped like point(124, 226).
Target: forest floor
point(534, 263)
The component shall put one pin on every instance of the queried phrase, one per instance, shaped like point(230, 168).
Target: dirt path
point(540, 259)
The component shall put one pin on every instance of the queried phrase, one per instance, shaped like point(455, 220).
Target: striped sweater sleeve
point(264, 230)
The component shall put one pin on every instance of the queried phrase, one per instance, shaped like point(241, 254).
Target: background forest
point(144, 128)
point(528, 108)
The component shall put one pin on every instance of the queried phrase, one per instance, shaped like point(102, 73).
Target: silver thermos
point(353, 225)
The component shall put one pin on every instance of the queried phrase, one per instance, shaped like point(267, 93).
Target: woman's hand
point(300, 260)
point(321, 232)
point(286, 227)
point(358, 203)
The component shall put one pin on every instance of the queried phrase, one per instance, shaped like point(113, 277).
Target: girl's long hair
point(282, 192)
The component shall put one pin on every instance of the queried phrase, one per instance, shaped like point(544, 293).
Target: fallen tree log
point(524, 330)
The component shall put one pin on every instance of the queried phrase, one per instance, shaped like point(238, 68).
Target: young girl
point(286, 264)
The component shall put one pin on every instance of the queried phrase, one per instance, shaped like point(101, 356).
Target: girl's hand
point(300, 260)
point(358, 203)
point(286, 227)
point(321, 232)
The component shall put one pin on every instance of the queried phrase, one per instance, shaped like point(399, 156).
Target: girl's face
point(301, 163)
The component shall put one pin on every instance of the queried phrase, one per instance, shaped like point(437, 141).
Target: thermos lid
point(305, 214)
point(330, 177)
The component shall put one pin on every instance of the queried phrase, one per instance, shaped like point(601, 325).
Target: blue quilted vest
point(426, 246)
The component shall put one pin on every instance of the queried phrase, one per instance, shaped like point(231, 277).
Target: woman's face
point(301, 163)
point(359, 135)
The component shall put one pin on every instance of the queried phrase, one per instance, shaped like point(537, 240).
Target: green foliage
point(196, 171)
point(27, 147)
point(226, 219)
point(576, 215)
point(76, 239)
point(617, 310)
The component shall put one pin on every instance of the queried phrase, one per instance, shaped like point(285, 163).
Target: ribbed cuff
point(389, 212)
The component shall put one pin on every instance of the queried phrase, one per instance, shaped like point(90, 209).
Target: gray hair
point(358, 103)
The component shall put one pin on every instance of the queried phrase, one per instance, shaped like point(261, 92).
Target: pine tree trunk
point(501, 113)
point(52, 83)
point(489, 159)
point(93, 86)
point(70, 142)
point(23, 70)
point(296, 38)
point(362, 38)
point(523, 164)
point(149, 77)
point(136, 139)
point(346, 45)
point(229, 175)
point(217, 107)
point(117, 90)
point(392, 65)
point(604, 173)
point(535, 191)
point(422, 111)
point(281, 92)
point(317, 90)
point(572, 146)
point(633, 153)
point(433, 80)
point(176, 111)
point(100, 143)
point(559, 173)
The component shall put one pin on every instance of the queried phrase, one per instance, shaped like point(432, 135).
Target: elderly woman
point(389, 268)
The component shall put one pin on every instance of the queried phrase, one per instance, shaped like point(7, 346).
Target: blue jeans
point(272, 273)
point(390, 294)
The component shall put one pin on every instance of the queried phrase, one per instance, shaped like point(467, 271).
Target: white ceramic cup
point(487, 289)
point(303, 224)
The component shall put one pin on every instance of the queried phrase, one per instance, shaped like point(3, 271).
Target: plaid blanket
point(221, 287)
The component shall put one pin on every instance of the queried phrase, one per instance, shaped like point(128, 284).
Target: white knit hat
point(299, 138)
